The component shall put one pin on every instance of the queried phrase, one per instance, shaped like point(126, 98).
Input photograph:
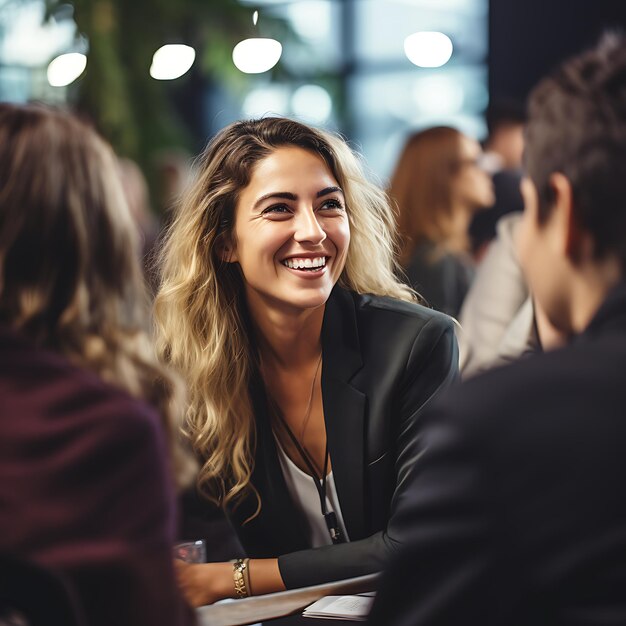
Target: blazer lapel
point(344, 408)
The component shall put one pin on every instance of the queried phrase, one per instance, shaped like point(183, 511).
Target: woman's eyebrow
point(328, 190)
point(283, 195)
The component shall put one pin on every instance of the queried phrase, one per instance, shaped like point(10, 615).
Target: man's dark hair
point(504, 112)
point(577, 126)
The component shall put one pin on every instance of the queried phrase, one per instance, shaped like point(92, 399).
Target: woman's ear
point(226, 249)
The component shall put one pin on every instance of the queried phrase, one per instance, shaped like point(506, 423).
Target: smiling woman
point(308, 363)
point(291, 243)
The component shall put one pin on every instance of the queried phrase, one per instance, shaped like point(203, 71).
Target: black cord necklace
point(320, 483)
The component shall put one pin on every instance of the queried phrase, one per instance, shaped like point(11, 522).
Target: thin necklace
point(318, 477)
point(307, 415)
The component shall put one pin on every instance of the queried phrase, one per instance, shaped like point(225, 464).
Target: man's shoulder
point(556, 386)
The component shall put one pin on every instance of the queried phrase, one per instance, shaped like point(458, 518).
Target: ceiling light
point(172, 61)
point(256, 55)
point(66, 68)
point(428, 49)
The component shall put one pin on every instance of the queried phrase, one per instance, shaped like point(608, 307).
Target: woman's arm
point(206, 583)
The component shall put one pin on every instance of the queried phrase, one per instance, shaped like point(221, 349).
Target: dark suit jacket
point(517, 511)
point(441, 278)
point(84, 487)
point(383, 362)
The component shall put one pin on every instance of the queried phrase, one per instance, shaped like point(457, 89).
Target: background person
point(85, 406)
point(437, 186)
point(138, 199)
point(502, 159)
point(516, 511)
point(308, 363)
point(500, 321)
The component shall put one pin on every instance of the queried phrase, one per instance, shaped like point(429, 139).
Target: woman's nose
point(308, 227)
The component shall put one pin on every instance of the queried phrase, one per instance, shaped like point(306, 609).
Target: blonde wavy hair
point(200, 307)
point(70, 278)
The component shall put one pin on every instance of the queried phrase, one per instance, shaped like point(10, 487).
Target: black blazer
point(517, 514)
point(383, 362)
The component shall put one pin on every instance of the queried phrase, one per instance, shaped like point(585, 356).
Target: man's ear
point(225, 248)
point(575, 239)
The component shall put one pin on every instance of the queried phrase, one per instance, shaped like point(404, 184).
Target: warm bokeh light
point(172, 61)
point(428, 49)
point(256, 55)
point(66, 68)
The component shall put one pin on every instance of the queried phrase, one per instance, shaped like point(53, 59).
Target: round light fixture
point(172, 61)
point(428, 49)
point(256, 55)
point(66, 68)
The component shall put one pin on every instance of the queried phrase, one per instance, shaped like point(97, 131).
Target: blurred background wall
point(357, 66)
point(527, 38)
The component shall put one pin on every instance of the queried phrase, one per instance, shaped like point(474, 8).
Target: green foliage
point(131, 109)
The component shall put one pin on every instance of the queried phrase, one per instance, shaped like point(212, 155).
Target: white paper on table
point(352, 608)
point(273, 605)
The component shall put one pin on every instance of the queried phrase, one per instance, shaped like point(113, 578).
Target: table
point(283, 608)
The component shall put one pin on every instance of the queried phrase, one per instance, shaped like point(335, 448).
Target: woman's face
point(291, 231)
point(472, 186)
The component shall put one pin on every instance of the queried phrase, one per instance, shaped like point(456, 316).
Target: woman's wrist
point(264, 576)
point(205, 583)
point(223, 583)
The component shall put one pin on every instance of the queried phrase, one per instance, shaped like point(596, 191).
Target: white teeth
point(299, 264)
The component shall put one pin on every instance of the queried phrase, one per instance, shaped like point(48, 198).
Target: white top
point(497, 315)
point(306, 499)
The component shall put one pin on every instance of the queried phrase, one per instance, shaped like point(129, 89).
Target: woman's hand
point(205, 583)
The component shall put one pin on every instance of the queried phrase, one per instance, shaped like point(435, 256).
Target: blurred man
point(503, 160)
point(517, 512)
point(504, 146)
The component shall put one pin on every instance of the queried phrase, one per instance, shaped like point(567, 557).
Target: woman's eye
point(276, 209)
point(332, 204)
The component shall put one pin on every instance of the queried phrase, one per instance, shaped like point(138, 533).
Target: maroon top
point(84, 487)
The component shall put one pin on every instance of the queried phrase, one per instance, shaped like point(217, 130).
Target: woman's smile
point(307, 264)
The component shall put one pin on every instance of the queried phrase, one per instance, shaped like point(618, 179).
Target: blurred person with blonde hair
point(85, 413)
point(438, 185)
point(308, 362)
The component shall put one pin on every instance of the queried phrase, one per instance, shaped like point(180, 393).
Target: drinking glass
point(191, 551)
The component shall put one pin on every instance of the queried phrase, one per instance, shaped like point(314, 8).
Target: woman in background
point(85, 407)
point(438, 185)
point(308, 362)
